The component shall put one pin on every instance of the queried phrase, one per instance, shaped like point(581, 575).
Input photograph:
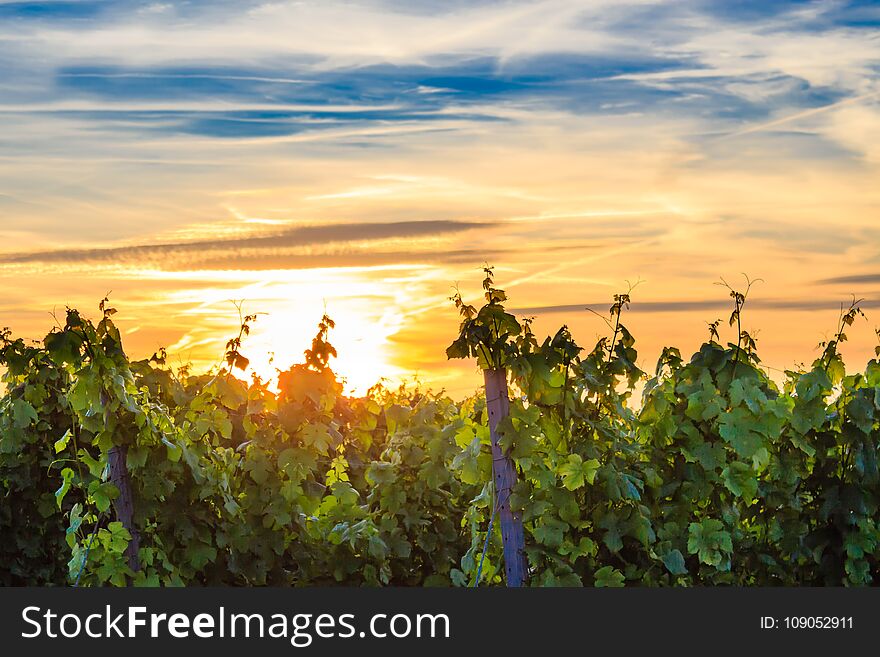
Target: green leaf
point(200, 554)
point(231, 392)
point(458, 349)
point(711, 542)
point(585, 547)
point(103, 494)
point(708, 455)
point(741, 429)
point(174, 452)
point(316, 437)
point(467, 463)
point(550, 532)
point(61, 443)
point(609, 577)
point(739, 478)
point(674, 562)
point(860, 410)
point(85, 394)
point(136, 457)
point(575, 471)
point(23, 414)
point(379, 473)
point(63, 346)
point(66, 479)
point(748, 392)
point(639, 527)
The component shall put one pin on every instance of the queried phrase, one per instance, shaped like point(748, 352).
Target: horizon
point(363, 158)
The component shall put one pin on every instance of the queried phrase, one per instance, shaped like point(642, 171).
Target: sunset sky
point(363, 157)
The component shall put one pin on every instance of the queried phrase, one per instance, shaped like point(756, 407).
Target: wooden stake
point(504, 473)
point(124, 504)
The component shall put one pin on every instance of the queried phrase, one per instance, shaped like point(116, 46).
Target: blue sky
point(687, 58)
point(695, 138)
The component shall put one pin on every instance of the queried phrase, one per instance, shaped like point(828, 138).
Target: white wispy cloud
point(595, 140)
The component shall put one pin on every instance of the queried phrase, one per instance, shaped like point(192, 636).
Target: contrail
point(799, 115)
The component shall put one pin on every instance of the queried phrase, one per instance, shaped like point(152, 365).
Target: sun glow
point(279, 339)
point(365, 304)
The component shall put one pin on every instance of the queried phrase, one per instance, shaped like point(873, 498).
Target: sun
point(278, 340)
point(369, 308)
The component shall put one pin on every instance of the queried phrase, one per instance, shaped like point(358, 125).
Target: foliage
point(719, 476)
point(233, 483)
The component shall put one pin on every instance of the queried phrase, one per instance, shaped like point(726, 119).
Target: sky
point(364, 158)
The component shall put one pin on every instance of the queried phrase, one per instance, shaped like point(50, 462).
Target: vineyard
point(718, 475)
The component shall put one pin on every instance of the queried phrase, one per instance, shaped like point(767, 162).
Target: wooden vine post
point(124, 504)
point(504, 473)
